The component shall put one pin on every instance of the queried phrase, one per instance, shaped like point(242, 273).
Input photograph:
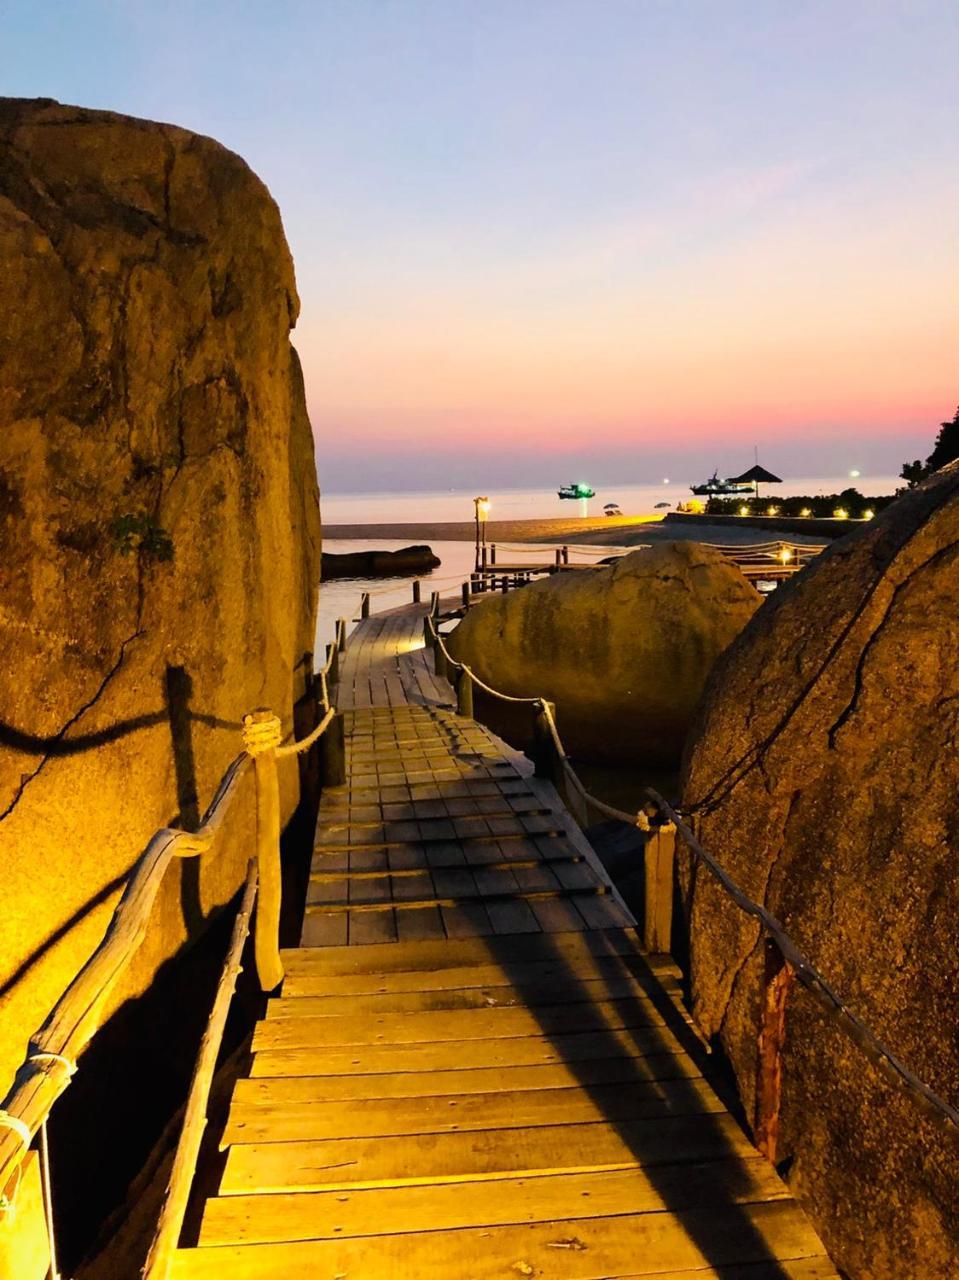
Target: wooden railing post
point(434, 603)
point(341, 634)
point(365, 605)
point(440, 665)
point(545, 762)
point(466, 595)
point(333, 753)
point(659, 856)
point(566, 555)
point(333, 658)
point(492, 553)
point(778, 980)
point(261, 737)
point(427, 633)
point(464, 693)
point(416, 590)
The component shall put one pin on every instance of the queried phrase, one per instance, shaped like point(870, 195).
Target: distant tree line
point(946, 449)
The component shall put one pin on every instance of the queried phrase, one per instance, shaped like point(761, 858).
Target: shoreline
point(600, 531)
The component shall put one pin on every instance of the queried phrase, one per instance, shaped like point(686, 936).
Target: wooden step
point(572, 973)
point(289, 1029)
point(480, 1154)
point(366, 901)
point(295, 1087)
point(319, 1058)
point(276, 1121)
point(388, 958)
point(530, 995)
point(330, 1215)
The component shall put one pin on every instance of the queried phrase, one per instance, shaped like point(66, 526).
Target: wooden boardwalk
point(472, 1070)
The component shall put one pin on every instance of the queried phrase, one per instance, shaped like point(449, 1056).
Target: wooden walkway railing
point(54, 1050)
point(786, 963)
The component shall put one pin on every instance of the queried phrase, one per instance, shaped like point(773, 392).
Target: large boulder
point(823, 775)
point(159, 526)
point(624, 651)
point(379, 564)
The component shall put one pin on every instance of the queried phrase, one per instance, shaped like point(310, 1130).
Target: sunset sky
point(607, 237)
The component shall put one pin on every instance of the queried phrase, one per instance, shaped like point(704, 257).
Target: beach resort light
point(805, 512)
point(744, 511)
point(786, 555)
point(772, 511)
point(868, 513)
point(841, 513)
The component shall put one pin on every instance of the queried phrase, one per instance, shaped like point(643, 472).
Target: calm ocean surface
point(340, 599)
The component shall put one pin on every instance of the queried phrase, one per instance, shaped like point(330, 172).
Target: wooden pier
point(472, 1069)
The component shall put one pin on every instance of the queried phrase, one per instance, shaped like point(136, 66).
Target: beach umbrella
point(756, 476)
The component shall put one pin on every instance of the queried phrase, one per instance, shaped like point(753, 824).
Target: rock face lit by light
point(823, 774)
point(161, 542)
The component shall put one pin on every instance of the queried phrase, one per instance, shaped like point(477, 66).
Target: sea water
point(340, 598)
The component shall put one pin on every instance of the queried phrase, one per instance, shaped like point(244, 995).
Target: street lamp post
point(481, 507)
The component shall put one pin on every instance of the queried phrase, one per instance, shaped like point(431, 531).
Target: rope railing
point(54, 1050)
point(785, 961)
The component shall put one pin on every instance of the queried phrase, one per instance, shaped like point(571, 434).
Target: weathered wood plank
point(453, 1055)
point(423, 1084)
point(275, 1121)
point(532, 994)
point(454, 1024)
point(588, 968)
point(393, 1210)
point(574, 1249)
point(478, 1155)
point(445, 955)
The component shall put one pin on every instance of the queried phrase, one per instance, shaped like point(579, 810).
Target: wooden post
point(440, 665)
point(505, 584)
point(427, 634)
point(464, 693)
point(333, 658)
point(659, 857)
point(434, 603)
point(341, 634)
point(365, 605)
point(492, 553)
point(559, 556)
point(566, 555)
point(778, 980)
point(484, 556)
point(416, 590)
point(269, 966)
point(466, 595)
point(333, 753)
point(546, 764)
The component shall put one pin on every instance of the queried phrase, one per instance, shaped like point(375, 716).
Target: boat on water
point(576, 491)
point(715, 486)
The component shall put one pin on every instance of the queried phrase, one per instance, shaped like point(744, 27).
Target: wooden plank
point(465, 951)
point(322, 1059)
point(454, 1024)
point(392, 1210)
point(588, 968)
point(456, 1113)
point(607, 1248)
point(530, 995)
point(424, 1084)
point(480, 1155)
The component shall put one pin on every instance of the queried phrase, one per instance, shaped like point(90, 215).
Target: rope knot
point(262, 732)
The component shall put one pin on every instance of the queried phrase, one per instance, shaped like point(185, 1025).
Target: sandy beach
point(615, 531)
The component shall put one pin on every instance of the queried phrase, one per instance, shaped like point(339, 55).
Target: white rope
point(69, 1066)
point(7, 1121)
point(261, 735)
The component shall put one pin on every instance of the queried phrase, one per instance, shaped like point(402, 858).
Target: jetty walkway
point(472, 1069)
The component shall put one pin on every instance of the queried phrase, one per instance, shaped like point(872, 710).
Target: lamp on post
point(481, 507)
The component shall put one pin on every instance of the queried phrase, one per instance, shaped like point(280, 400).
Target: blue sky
point(626, 233)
